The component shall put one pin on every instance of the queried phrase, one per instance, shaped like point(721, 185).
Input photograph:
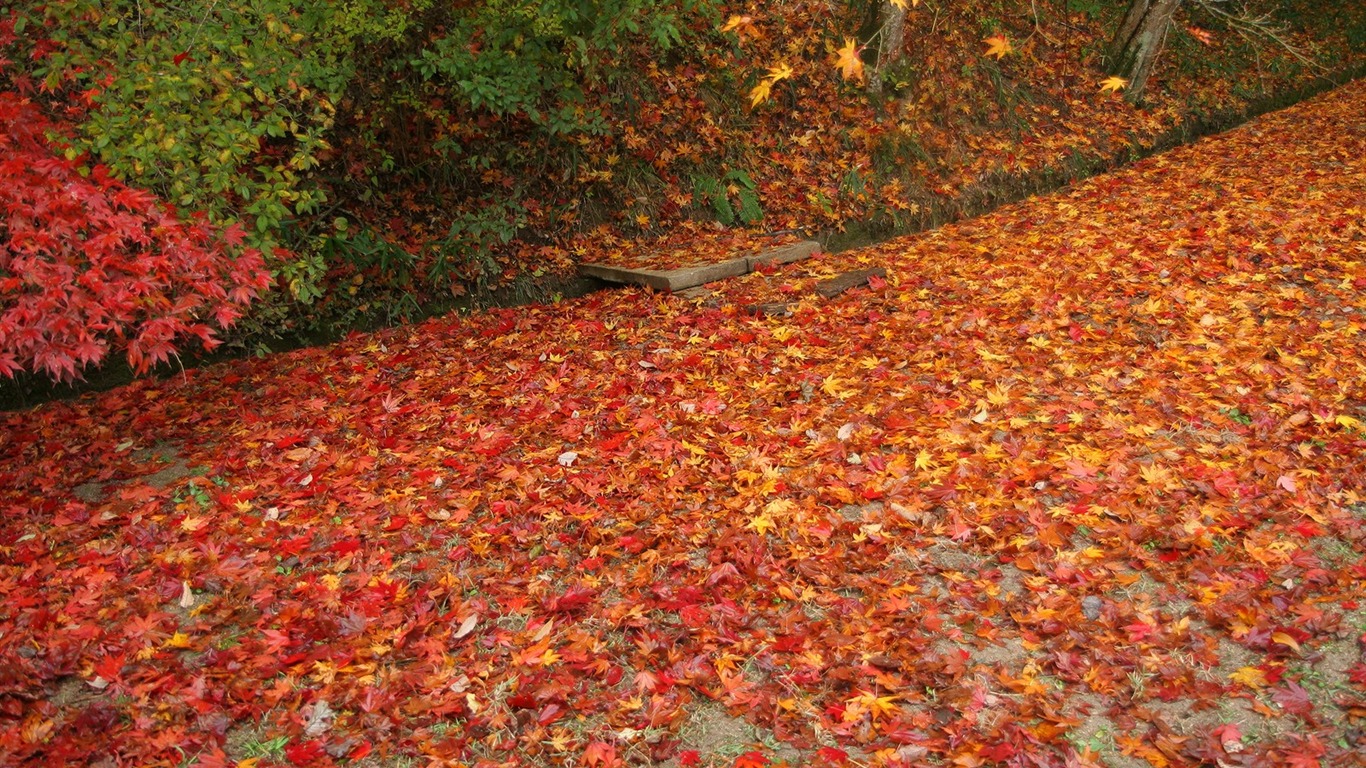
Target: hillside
point(394, 159)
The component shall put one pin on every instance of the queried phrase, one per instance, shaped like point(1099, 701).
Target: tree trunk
point(891, 37)
point(1139, 41)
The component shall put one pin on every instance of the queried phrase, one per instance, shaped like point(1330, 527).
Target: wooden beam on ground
point(841, 283)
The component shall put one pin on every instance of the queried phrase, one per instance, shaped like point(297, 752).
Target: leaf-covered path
point(1080, 483)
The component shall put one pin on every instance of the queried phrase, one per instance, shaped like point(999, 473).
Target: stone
point(90, 493)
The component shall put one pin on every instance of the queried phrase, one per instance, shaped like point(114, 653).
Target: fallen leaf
point(1113, 83)
point(467, 626)
point(1286, 640)
point(849, 61)
point(1252, 677)
point(998, 45)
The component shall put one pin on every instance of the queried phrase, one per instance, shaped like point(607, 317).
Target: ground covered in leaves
point(1078, 483)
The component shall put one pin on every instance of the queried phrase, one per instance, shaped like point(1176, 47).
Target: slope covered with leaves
point(385, 155)
point(1078, 483)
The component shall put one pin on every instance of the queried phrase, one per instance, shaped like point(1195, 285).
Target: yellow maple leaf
point(560, 741)
point(760, 93)
point(1250, 676)
point(851, 66)
point(925, 460)
point(870, 703)
point(1153, 474)
point(1113, 84)
point(998, 45)
point(780, 72)
point(779, 507)
point(835, 388)
point(999, 395)
point(761, 524)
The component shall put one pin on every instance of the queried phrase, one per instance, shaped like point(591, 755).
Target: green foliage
point(539, 59)
point(471, 239)
point(1092, 9)
point(733, 197)
point(222, 108)
point(897, 151)
point(367, 253)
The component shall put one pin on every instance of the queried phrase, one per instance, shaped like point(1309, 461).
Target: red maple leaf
point(751, 760)
point(599, 753)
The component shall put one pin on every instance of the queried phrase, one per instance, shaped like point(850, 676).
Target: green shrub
point(220, 107)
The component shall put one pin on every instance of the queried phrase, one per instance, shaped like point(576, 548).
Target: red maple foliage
point(88, 264)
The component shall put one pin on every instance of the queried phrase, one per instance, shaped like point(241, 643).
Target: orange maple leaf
point(851, 66)
point(1203, 36)
point(1113, 84)
point(752, 759)
point(742, 26)
point(736, 22)
point(998, 45)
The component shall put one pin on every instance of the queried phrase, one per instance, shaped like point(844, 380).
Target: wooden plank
point(785, 254)
point(687, 277)
point(841, 283)
point(649, 278)
point(670, 280)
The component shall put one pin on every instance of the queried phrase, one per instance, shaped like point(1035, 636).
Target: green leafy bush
point(540, 60)
point(222, 107)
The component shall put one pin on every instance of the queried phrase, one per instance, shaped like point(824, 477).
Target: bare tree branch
point(1250, 26)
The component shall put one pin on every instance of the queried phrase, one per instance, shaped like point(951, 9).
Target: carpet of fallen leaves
point(1081, 482)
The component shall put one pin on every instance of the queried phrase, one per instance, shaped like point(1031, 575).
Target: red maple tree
point(88, 264)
